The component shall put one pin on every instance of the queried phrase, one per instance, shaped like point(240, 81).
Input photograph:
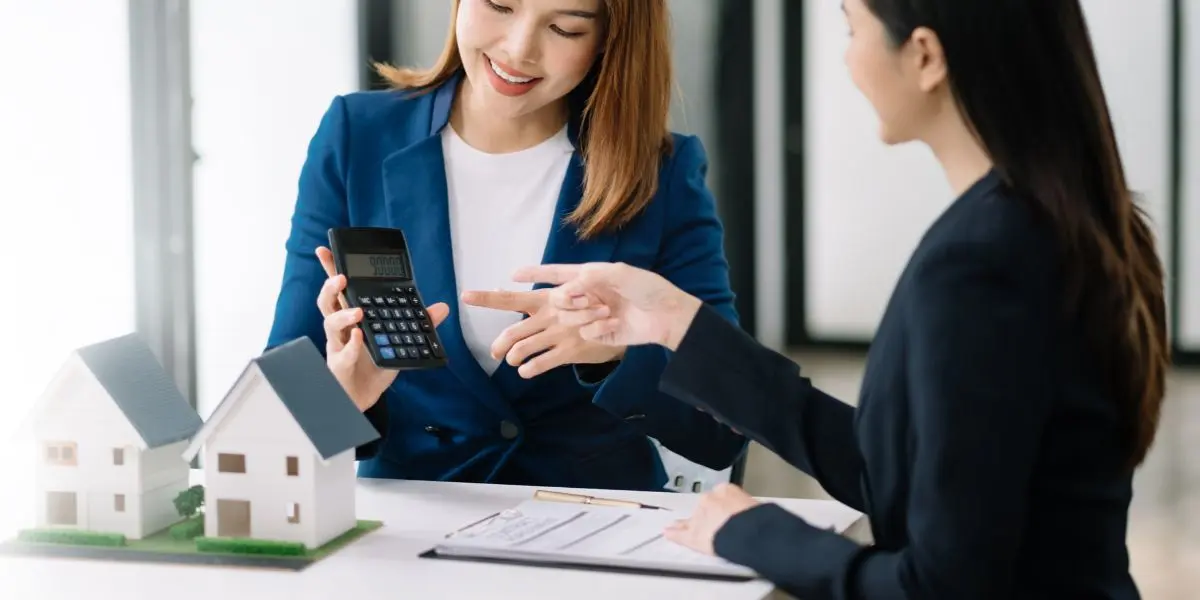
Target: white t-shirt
point(502, 207)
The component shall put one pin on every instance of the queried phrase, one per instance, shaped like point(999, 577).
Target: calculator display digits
point(398, 331)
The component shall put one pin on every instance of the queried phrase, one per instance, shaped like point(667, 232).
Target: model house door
point(62, 508)
point(233, 518)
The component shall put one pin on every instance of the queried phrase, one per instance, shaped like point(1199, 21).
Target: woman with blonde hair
point(540, 135)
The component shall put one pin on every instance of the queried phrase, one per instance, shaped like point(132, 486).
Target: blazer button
point(508, 430)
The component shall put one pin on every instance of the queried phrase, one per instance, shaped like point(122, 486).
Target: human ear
point(929, 58)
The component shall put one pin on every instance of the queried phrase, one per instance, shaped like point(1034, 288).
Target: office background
point(149, 151)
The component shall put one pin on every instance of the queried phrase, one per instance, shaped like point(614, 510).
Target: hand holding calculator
point(398, 332)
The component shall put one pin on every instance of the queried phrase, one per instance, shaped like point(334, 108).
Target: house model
point(110, 428)
point(279, 451)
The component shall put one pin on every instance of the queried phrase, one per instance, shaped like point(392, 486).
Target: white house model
point(110, 428)
point(279, 451)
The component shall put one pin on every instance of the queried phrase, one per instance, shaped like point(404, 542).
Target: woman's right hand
point(345, 350)
point(616, 304)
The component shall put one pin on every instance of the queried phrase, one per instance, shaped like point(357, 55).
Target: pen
point(581, 499)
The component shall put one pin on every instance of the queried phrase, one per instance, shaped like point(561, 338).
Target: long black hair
point(1024, 74)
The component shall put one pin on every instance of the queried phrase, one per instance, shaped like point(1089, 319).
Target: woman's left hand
point(712, 512)
point(541, 332)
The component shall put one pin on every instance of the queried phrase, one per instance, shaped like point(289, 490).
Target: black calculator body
point(379, 279)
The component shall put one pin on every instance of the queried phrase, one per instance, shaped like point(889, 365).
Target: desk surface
point(384, 564)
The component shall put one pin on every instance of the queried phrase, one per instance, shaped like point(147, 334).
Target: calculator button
point(408, 339)
point(365, 301)
point(391, 301)
point(383, 313)
point(377, 327)
point(411, 290)
point(436, 347)
point(382, 340)
point(390, 326)
point(408, 313)
point(387, 353)
point(418, 339)
point(396, 339)
point(415, 301)
point(378, 301)
point(425, 353)
point(402, 301)
point(420, 314)
point(426, 326)
point(398, 290)
point(372, 314)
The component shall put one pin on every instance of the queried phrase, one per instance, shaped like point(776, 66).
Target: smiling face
point(524, 56)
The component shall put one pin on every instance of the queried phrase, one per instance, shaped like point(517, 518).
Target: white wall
point(867, 205)
point(263, 73)
point(67, 205)
point(1189, 225)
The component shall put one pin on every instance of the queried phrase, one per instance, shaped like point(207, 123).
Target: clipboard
point(558, 564)
point(589, 538)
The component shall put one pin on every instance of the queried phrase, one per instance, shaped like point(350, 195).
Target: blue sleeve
point(320, 205)
point(693, 258)
point(978, 373)
point(762, 393)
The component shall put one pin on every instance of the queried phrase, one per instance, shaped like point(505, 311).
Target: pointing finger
point(522, 302)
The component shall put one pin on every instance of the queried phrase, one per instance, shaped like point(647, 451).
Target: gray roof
point(138, 384)
point(301, 379)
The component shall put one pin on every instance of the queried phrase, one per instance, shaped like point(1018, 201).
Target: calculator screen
point(389, 266)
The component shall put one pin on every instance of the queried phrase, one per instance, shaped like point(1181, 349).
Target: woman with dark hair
point(1015, 379)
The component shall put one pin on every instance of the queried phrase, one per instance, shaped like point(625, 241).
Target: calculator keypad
point(398, 325)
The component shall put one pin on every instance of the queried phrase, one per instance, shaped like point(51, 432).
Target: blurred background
point(149, 154)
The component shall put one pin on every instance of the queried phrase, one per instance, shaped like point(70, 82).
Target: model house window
point(293, 466)
point(293, 512)
point(61, 454)
point(119, 502)
point(231, 463)
point(118, 456)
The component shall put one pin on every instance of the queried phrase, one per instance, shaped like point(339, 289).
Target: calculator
point(379, 279)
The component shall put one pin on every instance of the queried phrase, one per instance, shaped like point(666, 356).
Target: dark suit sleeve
point(724, 371)
point(977, 359)
point(692, 257)
point(320, 205)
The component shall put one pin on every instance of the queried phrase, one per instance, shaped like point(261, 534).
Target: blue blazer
point(987, 448)
point(376, 160)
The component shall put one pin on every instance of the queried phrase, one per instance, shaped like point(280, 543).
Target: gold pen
point(581, 499)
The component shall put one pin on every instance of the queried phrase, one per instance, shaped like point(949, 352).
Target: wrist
point(679, 319)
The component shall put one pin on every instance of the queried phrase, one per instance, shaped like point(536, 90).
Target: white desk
point(384, 564)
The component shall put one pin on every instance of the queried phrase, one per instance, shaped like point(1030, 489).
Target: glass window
point(263, 74)
point(66, 188)
point(1189, 216)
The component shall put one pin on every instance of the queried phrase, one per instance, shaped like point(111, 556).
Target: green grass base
point(162, 543)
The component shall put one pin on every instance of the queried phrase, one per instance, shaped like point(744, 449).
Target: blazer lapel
point(414, 182)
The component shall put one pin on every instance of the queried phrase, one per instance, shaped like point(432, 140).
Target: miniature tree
point(189, 501)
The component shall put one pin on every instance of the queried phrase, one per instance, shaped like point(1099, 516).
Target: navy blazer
point(376, 160)
point(986, 450)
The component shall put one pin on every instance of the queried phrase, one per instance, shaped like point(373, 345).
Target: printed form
point(551, 532)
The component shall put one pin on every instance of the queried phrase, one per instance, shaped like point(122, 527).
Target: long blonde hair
point(625, 106)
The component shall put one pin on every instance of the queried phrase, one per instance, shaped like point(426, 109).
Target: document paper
point(550, 532)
